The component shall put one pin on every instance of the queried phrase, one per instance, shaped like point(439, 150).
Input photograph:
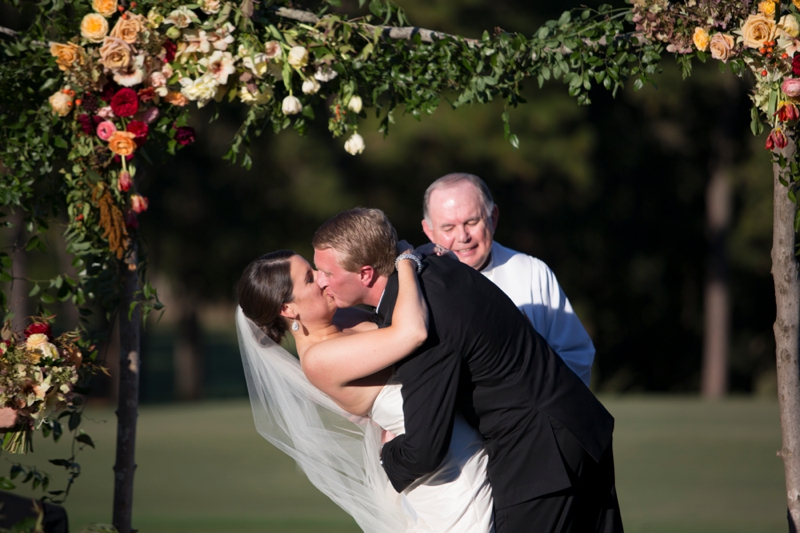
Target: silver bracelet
point(409, 256)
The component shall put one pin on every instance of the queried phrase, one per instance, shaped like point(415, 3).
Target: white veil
point(337, 451)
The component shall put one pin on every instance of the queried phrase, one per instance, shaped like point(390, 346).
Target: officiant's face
point(460, 223)
point(346, 288)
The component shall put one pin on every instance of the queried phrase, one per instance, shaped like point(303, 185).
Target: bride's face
point(310, 302)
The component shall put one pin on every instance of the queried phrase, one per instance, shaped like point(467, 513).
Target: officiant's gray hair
point(451, 179)
point(362, 236)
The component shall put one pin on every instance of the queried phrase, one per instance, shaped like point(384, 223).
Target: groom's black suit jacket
point(484, 358)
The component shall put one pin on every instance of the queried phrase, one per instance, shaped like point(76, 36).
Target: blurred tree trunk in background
point(716, 297)
point(189, 351)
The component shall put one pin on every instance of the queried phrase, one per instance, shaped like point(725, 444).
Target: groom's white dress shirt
point(533, 288)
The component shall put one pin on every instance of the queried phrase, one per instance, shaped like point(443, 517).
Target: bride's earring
point(295, 326)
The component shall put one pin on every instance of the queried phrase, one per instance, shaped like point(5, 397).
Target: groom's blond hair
point(362, 236)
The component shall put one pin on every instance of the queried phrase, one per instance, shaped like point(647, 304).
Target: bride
point(332, 419)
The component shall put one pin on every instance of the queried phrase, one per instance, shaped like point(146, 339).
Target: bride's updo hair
point(264, 287)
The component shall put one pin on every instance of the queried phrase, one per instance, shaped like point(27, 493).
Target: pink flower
point(106, 129)
point(125, 181)
point(791, 87)
point(105, 112)
point(139, 203)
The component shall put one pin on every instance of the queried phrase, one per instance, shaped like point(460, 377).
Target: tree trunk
point(189, 356)
point(18, 290)
point(127, 410)
point(786, 328)
point(716, 304)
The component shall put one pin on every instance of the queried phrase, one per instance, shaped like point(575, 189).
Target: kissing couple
point(442, 411)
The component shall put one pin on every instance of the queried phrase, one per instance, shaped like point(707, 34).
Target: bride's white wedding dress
point(457, 497)
point(339, 452)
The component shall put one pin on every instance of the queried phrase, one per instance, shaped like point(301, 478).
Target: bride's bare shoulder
point(354, 320)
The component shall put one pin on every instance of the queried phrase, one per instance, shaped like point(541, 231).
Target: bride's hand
point(404, 247)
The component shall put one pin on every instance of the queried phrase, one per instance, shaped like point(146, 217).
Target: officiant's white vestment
point(533, 288)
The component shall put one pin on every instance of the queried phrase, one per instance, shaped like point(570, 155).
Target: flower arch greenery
point(90, 85)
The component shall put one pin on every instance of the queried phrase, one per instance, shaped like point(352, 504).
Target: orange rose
point(122, 143)
point(94, 27)
point(107, 8)
point(66, 54)
point(115, 54)
point(128, 29)
point(176, 98)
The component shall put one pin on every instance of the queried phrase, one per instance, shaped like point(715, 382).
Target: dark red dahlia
point(125, 103)
point(184, 135)
point(86, 122)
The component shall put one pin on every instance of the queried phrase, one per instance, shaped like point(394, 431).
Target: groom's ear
point(367, 275)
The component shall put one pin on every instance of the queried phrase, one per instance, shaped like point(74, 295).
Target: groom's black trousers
point(590, 505)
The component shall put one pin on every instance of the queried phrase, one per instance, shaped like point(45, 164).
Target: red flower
point(87, 125)
point(125, 103)
point(184, 135)
point(169, 50)
point(39, 327)
point(787, 111)
point(796, 64)
point(125, 181)
point(776, 139)
point(146, 94)
point(140, 129)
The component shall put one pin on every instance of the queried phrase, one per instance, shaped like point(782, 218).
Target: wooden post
point(127, 409)
point(787, 329)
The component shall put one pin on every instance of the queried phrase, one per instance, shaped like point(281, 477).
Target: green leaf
point(85, 439)
point(514, 140)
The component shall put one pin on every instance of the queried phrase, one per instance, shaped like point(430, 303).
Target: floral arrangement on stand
point(760, 37)
point(38, 376)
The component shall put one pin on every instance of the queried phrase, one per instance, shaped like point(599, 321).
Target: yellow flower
point(94, 27)
point(796, 3)
point(128, 29)
point(122, 143)
point(756, 30)
point(66, 54)
point(700, 39)
point(115, 54)
point(767, 7)
point(107, 8)
point(61, 102)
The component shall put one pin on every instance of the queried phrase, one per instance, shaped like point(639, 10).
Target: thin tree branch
point(391, 32)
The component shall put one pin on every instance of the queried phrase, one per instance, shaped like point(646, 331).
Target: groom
point(548, 438)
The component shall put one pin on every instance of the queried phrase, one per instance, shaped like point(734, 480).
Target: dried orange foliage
point(112, 221)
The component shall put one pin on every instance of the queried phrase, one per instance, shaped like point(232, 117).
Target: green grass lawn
point(682, 466)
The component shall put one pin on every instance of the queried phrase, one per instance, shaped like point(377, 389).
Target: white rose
point(291, 105)
point(157, 79)
point(298, 57)
point(273, 50)
point(310, 86)
point(355, 144)
point(325, 73)
point(355, 104)
point(789, 24)
point(200, 90)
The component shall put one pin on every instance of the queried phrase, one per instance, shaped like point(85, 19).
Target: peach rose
point(61, 103)
point(122, 143)
point(37, 340)
point(756, 30)
point(128, 29)
point(66, 54)
point(176, 98)
point(115, 54)
point(721, 46)
point(94, 27)
point(107, 8)
point(700, 39)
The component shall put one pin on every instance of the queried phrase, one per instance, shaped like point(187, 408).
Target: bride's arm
point(334, 363)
